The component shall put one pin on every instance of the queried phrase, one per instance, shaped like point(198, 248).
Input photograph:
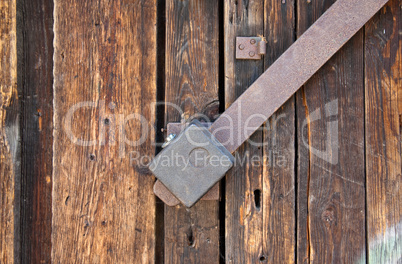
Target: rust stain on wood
point(307, 185)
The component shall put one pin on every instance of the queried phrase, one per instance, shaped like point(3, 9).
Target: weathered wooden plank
point(9, 135)
point(244, 183)
point(260, 212)
point(36, 72)
point(192, 67)
point(278, 198)
point(383, 71)
point(104, 79)
point(330, 121)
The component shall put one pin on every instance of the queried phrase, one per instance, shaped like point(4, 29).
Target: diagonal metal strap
point(304, 58)
point(287, 74)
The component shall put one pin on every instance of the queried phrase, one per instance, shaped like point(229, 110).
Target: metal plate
point(247, 48)
point(192, 164)
point(169, 199)
point(163, 193)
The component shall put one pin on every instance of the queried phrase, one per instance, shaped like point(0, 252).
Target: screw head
point(168, 140)
point(252, 53)
point(241, 47)
point(252, 41)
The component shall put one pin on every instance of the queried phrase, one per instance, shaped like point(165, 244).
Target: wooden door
point(87, 91)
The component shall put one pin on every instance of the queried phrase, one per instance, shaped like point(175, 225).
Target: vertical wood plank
point(192, 58)
point(383, 68)
point(260, 200)
point(244, 218)
point(36, 30)
point(9, 134)
point(279, 192)
point(104, 81)
point(330, 117)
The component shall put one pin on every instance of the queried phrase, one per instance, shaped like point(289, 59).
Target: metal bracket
point(161, 191)
point(192, 164)
point(250, 48)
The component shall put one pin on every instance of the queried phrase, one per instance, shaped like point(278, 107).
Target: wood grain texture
point(9, 134)
point(36, 73)
point(383, 71)
point(103, 205)
point(279, 192)
point(330, 121)
point(192, 58)
point(260, 211)
point(244, 183)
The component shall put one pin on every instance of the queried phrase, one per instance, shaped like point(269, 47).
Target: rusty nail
point(241, 47)
point(252, 53)
point(252, 41)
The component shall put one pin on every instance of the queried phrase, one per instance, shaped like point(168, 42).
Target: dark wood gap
point(222, 202)
point(160, 123)
point(296, 143)
point(296, 161)
point(221, 56)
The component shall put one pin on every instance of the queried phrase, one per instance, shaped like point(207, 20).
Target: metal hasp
point(161, 191)
point(272, 89)
point(250, 48)
point(192, 164)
